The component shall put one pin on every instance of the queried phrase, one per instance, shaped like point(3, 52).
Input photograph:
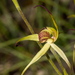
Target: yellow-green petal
point(55, 25)
point(38, 55)
point(53, 32)
point(74, 58)
point(61, 53)
point(33, 37)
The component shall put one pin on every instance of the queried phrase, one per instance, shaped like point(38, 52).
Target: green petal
point(61, 53)
point(53, 32)
point(38, 55)
point(55, 25)
point(74, 59)
point(33, 37)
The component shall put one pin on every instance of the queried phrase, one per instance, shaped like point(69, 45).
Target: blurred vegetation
point(12, 27)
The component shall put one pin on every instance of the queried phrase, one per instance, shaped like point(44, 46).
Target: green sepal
point(39, 54)
point(33, 37)
point(61, 53)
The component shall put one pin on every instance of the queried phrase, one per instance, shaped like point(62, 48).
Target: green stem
point(31, 30)
point(53, 65)
point(56, 56)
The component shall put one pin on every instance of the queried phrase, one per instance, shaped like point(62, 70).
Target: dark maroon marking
point(16, 44)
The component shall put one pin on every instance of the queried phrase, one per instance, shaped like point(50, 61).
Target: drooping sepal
point(61, 53)
point(39, 54)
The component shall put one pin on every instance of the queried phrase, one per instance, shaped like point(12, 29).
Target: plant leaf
point(38, 55)
point(71, 16)
point(65, 73)
point(33, 37)
point(22, 15)
point(74, 59)
point(61, 53)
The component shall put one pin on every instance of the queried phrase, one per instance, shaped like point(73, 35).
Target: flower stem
point(53, 65)
point(59, 61)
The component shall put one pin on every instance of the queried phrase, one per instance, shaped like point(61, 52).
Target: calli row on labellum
point(48, 36)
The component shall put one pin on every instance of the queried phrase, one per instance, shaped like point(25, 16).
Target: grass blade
point(74, 59)
point(22, 15)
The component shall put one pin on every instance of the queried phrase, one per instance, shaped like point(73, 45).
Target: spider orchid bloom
point(48, 36)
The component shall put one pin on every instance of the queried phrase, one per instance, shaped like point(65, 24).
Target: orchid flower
point(48, 36)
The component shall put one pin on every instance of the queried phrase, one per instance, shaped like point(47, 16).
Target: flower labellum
point(44, 35)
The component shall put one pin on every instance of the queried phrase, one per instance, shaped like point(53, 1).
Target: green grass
point(14, 59)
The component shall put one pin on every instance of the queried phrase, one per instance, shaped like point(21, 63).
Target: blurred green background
point(14, 59)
